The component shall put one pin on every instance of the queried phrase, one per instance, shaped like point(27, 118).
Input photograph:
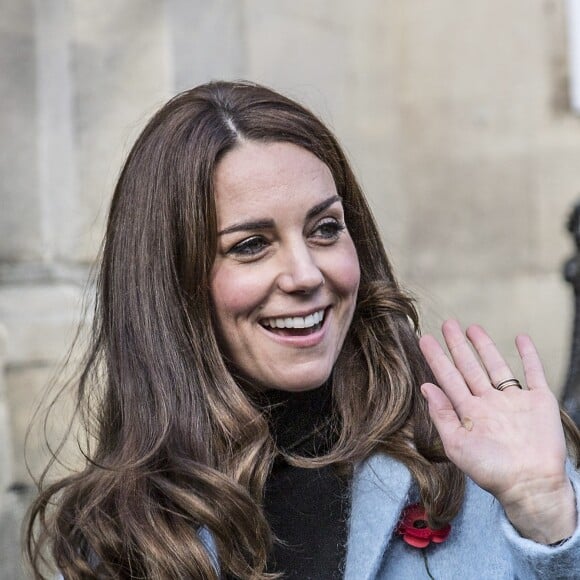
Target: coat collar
point(380, 491)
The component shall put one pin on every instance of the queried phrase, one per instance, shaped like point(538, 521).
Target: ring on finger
point(506, 383)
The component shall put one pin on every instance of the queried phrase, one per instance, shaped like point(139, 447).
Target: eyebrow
point(264, 224)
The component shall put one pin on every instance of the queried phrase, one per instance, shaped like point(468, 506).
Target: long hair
point(179, 444)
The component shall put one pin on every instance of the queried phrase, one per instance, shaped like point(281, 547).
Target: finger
point(464, 358)
point(442, 413)
point(533, 369)
point(447, 375)
point(495, 365)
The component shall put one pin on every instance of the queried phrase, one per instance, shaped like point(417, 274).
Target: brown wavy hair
point(179, 443)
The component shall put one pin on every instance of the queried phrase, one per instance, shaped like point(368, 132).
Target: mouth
point(295, 325)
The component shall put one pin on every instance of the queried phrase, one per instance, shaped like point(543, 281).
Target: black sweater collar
point(300, 422)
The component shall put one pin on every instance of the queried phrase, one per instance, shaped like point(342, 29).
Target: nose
point(299, 271)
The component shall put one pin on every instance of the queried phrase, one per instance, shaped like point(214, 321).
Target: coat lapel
point(379, 494)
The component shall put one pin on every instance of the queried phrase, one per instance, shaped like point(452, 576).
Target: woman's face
point(286, 275)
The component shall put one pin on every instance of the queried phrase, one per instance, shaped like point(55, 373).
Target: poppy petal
point(416, 542)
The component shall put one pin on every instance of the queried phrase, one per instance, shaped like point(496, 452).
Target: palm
point(501, 440)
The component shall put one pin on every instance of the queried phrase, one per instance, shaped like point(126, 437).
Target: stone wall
point(453, 114)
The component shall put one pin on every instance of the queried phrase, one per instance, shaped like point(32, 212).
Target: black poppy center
point(421, 524)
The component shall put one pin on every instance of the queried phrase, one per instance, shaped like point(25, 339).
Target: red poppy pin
point(415, 530)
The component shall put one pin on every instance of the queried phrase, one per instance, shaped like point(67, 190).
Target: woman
point(260, 399)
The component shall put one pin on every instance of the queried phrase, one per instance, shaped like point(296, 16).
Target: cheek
point(347, 271)
point(233, 295)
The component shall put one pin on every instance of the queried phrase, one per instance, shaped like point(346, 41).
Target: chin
point(297, 388)
point(308, 384)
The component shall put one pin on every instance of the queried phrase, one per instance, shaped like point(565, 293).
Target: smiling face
point(286, 275)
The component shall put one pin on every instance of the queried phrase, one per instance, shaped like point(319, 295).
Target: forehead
point(258, 175)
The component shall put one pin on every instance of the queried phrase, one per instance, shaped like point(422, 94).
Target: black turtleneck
point(307, 508)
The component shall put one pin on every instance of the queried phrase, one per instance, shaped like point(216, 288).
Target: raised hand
point(510, 442)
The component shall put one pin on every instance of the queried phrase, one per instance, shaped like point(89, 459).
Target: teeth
point(296, 321)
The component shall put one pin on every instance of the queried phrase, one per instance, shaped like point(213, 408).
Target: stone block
point(371, 35)
point(20, 219)
point(122, 73)
point(30, 392)
point(538, 305)
point(12, 512)
point(469, 218)
point(435, 129)
point(379, 173)
point(207, 41)
point(478, 51)
point(555, 48)
point(306, 55)
point(57, 186)
point(556, 189)
point(40, 321)
point(6, 460)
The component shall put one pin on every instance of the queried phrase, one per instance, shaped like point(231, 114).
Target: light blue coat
point(482, 543)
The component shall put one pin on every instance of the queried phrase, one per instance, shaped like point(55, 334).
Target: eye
point(248, 247)
point(328, 229)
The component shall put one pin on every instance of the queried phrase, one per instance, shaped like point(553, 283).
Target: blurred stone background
point(454, 115)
